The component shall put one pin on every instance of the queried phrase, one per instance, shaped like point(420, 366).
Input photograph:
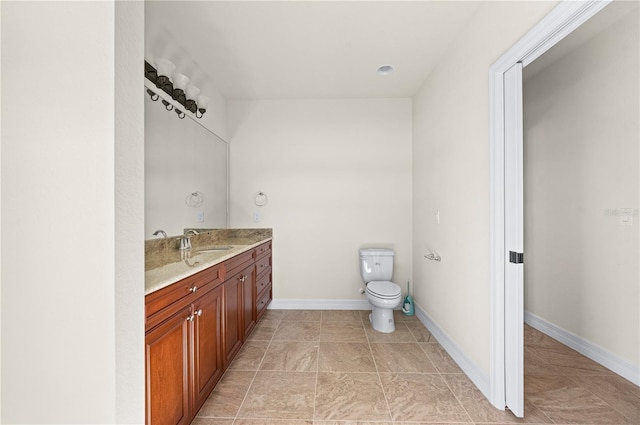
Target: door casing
point(559, 23)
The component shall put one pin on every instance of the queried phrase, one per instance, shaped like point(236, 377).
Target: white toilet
point(376, 269)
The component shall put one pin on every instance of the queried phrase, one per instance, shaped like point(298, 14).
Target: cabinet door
point(207, 345)
point(248, 300)
point(167, 350)
point(232, 330)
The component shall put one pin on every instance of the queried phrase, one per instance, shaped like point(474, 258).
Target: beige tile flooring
point(331, 368)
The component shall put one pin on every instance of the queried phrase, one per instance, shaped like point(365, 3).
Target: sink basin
point(213, 249)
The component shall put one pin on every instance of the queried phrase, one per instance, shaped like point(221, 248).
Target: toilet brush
point(408, 309)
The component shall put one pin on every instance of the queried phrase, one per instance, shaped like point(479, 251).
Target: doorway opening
point(506, 191)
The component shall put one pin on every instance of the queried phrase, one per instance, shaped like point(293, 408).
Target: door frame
point(556, 25)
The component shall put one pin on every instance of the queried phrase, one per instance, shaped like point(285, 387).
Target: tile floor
point(332, 368)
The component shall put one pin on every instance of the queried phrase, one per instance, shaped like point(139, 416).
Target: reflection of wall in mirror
point(182, 157)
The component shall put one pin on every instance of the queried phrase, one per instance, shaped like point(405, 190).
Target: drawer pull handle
point(193, 289)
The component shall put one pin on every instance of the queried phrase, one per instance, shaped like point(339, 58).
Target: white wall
point(60, 227)
point(581, 165)
point(451, 174)
point(182, 157)
point(338, 177)
point(129, 213)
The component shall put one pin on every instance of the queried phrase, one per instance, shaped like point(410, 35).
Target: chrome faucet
point(160, 232)
point(185, 240)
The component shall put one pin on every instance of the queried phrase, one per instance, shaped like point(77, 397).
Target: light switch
point(437, 216)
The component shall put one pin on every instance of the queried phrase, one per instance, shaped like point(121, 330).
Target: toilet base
point(381, 319)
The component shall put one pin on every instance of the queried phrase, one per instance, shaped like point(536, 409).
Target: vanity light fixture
point(177, 86)
point(152, 95)
point(385, 70)
point(164, 71)
point(203, 102)
point(167, 105)
point(190, 104)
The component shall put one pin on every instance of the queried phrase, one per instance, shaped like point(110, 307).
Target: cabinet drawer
point(180, 293)
point(263, 264)
point(263, 249)
point(263, 302)
point(237, 263)
point(262, 283)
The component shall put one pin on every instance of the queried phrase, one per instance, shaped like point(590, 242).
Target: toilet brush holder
point(408, 308)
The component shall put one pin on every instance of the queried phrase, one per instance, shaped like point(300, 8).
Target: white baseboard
point(587, 348)
point(288, 304)
point(473, 372)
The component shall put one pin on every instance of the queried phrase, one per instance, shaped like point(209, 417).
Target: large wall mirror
point(186, 173)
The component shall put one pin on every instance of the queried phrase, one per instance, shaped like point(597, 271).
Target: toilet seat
point(384, 289)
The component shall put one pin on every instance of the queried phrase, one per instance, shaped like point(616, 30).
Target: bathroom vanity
point(200, 307)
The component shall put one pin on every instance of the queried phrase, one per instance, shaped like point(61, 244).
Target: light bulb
point(165, 67)
point(180, 81)
point(203, 102)
point(192, 92)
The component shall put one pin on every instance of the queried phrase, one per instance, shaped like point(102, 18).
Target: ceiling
point(304, 49)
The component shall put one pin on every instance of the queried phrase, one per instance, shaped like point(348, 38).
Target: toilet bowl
point(383, 296)
point(376, 269)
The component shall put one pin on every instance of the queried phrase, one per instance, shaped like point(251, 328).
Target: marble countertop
point(165, 264)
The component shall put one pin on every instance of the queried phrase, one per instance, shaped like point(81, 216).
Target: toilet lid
point(383, 289)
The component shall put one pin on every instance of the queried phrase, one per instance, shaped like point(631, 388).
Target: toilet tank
point(376, 264)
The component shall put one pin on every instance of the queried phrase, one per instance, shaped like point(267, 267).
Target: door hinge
point(516, 257)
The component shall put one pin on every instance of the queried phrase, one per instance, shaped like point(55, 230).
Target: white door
point(514, 277)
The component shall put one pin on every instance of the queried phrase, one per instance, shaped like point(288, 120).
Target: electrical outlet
point(626, 216)
point(256, 217)
point(201, 217)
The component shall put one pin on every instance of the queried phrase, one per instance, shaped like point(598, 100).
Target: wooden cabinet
point(248, 301)
point(232, 318)
point(207, 359)
point(195, 327)
point(183, 346)
point(167, 370)
point(262, 287)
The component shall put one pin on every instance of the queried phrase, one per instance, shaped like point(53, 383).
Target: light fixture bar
point(174, 95)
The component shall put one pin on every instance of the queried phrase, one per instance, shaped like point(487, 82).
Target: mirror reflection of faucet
point(160, 232)
point(186, 257)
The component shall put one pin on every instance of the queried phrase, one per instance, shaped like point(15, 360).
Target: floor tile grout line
point(571, 378)
point(588, 389)
point(384, 393)
point(254, 377)
point(430, 360)
point(315, 388)
point(456, 397)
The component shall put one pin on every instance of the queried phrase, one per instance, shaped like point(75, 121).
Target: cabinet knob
point(190, 318)
point(193, 289)
point(199, 313)
point(243, 278)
